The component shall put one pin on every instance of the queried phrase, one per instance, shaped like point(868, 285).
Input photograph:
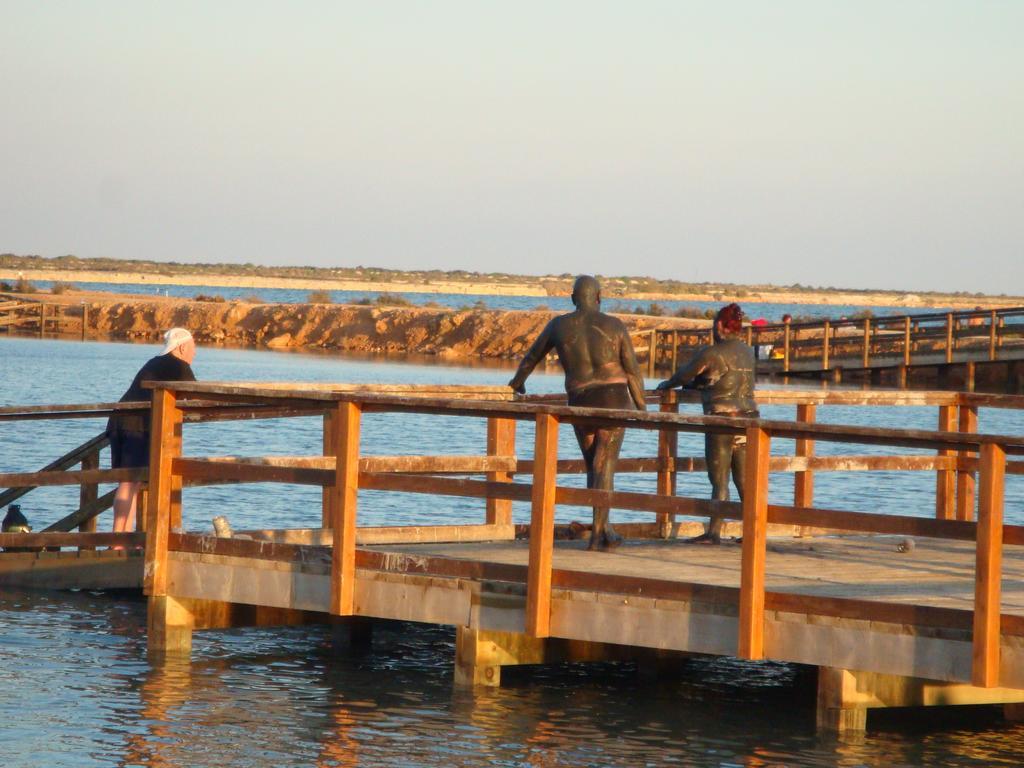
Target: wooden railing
point(27, 315)
point(859, 342)
point(342, 473)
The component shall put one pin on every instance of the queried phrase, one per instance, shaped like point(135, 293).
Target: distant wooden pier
point(966, 350)
point(941, 622)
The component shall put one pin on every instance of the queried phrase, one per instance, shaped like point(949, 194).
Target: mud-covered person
point(723, 373)
point(129, 432)
point(600, 372)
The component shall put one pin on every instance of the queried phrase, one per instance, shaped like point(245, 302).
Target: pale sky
point(860, 144)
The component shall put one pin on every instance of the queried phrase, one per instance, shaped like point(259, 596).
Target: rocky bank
point(349, 328)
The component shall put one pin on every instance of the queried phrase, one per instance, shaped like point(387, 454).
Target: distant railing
point(858, 342)
point(25, 315)
point(342, 472)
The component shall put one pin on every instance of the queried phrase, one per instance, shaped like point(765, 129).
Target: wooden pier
point(967, 350)
point(19, 314)
point(937, 621)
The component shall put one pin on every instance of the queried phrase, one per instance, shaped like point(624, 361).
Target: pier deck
point(941, 623)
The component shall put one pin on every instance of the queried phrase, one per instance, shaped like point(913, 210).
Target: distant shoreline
point(540, 287)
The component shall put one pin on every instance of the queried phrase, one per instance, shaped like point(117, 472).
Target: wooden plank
point(803, 481)
point(868, 522)
point(945, 480)
point(826, 339)
point(444, 486)
point(345, 493)
point(668, 445)
point(988, 569)
point(650, 420)
point(501, 442)
point(755, 528)
point(72, 477)
point(69, 459)
point(206, 469)
point(330, 441)
point(166, 419)
point(88, 493)
point(389, 534)
point(72, 539)
point(542, 522)
point(866, 353)
point(86, 512)
point(968, 424)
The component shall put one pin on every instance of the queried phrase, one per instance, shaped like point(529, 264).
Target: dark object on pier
point(16, 522)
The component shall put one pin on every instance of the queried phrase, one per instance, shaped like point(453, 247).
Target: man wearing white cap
point(129, 432)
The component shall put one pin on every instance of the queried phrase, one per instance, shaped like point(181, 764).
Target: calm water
point(76, 688)
point(771, 312)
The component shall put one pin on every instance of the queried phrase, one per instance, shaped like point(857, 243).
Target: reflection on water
point(77, 690)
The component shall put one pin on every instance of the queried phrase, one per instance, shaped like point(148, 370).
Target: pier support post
point(480, 654)
point(845, 696)
point(169, 626)
point(839, 706)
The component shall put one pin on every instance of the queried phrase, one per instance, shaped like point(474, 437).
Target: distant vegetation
point(319, 297)
point(215, 298)
point(555, 285)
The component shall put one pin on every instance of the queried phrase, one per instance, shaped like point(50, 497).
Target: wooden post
point(967, 423)
point(42, 319)
point(950, 339)
point(803, 480)
point(165, 421)
point(675, 350)
point(542, 527)
point(945, 479)
point(501, 441)
point(88, 493)
point(330, 441)
point(906, 340)
point(785, 348)
point(866, 357)
point(668, 442)
point(344, 496)
point(825, 342)
point(85, 320)
point(755, 527)
point(992, 325)
point(169, 625)
point(652, 353)
point(988, 568)
point(840, 708)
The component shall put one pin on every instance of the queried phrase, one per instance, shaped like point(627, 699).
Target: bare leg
point(124, 507)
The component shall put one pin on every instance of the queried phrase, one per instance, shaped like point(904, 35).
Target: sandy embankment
point(292, 283)
point(350, 328)
point(541, 286)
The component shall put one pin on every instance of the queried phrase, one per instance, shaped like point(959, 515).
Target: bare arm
point(634, 379)
point(534, 355)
